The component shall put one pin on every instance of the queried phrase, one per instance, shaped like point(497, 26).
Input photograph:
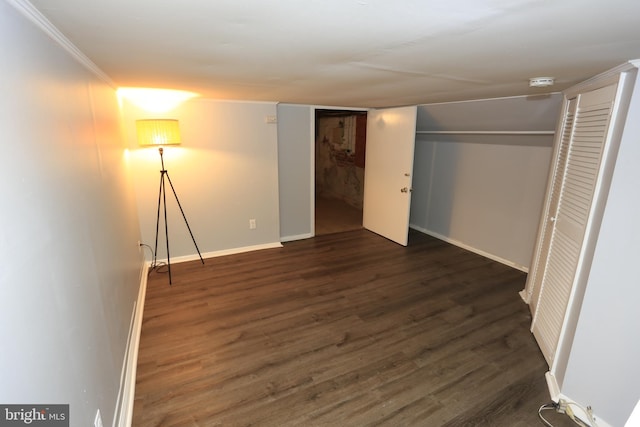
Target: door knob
point(404, 190)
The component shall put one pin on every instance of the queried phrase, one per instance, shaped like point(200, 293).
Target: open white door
point(391, 136)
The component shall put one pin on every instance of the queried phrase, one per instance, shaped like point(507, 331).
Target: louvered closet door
point(536, 274)
point(570, 221)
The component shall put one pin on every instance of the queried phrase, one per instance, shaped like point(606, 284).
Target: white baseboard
point(124, 408)
point(552, 385)
point(194, 257)
point(296, 237)
point(556, 395)
point(525, 296)
point(471, 248)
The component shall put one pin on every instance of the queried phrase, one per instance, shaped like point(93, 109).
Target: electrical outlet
point(252, 224)
point(97, 422)
point(139, 246)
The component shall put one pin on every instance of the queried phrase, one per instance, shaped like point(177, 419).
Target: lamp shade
point(158, 132)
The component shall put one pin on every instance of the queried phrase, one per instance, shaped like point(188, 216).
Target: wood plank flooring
point(347, 329)
point(335, 216)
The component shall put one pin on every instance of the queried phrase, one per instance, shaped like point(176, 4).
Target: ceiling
point(352, 53)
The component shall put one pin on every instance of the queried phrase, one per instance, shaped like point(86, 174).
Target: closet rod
point(486, 132)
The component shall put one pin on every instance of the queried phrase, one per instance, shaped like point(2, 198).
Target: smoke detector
point(541, 81)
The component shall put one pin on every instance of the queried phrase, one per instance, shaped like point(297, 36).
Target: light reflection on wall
point(154, 100)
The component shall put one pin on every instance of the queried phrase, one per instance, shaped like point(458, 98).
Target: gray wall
point(484, 192)
point(295, 163)
point(68, 229)
point(225, 173)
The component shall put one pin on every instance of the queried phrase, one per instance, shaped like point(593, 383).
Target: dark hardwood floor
point(347, 329)
point(335, 216)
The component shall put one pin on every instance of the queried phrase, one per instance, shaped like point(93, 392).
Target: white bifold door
point(391, 135)
point(575, 179)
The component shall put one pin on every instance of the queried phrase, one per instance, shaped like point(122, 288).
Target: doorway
point(340, 147)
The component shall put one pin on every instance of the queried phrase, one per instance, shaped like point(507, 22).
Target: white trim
point(312, 170)
point(124, 406)
point(32, 14)
point(239, 101)
point(531, 95)
point(296, 237)
point(552, 385)
point(525, 296)
point(120, 408)
point(471, 248)
point(224, 252)
point(603, 79)
point(485, 132)
point(330, 107)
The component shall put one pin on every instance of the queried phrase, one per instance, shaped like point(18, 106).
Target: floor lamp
point(160, 132)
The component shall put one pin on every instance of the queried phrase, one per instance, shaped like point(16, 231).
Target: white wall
point(484, 192)
point(70, 266)
point(295, 163)
point(603, 369)
point(225, 172)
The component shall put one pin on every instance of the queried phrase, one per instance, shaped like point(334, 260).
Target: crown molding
point(30, 12)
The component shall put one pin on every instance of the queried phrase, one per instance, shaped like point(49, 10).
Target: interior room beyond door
point(340, 144)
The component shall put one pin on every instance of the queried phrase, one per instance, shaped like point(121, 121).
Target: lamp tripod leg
point(193, 239)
